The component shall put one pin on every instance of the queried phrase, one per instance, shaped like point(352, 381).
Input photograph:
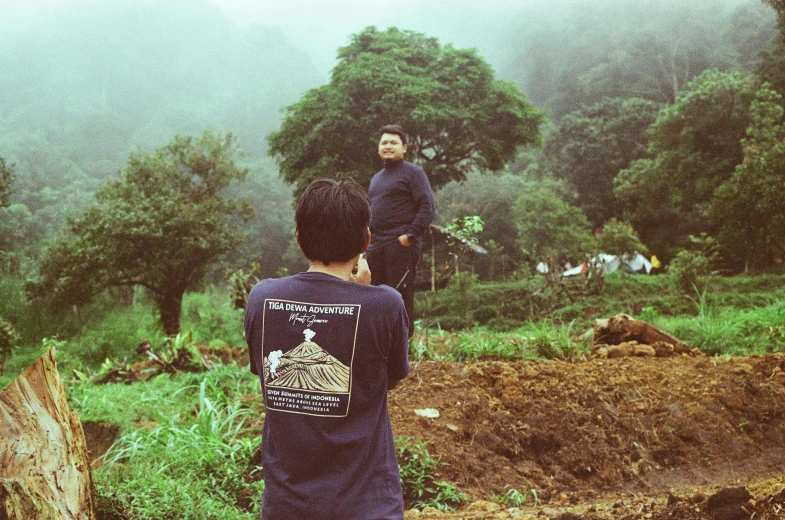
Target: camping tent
point(610, 263)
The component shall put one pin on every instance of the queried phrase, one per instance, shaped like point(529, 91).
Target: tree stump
point(44, 467)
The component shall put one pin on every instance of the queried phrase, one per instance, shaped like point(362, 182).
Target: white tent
point(611, 263)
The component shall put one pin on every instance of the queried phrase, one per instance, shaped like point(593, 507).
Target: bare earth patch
point(628, 437)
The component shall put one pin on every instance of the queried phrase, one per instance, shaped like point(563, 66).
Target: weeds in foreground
point(418, 478)
point(514, 498)
point(195, 468)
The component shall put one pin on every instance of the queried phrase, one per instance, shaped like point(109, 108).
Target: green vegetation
point(192, 456)
point(674, 150)
point(458, 117)
point(187, 440)
point(418, 478)
point(532, 319)
point(158, 226)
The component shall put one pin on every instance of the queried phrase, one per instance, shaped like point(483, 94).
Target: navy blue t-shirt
point(324, 349)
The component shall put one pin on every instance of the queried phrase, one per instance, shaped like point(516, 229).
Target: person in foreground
point(327, 346)
point(402, 206)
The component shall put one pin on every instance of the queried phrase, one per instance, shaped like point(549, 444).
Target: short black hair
point(393, 129)
point(332, 219)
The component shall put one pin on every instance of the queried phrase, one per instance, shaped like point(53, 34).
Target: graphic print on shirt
point(314, 376)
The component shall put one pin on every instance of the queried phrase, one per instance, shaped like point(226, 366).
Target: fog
point(121, 73)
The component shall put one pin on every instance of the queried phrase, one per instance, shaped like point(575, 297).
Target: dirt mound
point(604, 438)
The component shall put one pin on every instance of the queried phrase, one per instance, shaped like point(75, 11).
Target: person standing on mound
point(327, 347)
point(402, 208)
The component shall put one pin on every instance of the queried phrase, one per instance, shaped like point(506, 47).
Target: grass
point(186, 447)
point(534, 340)
point(727, 331)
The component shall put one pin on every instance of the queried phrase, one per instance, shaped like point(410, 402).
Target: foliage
point(573, 57)
point(159, 225)
point(729, 331)
point(491, 197)
point(6, 180)
point(549, 228)
point(8, 339)
point(619, 238)
point(690, 269)
point(189, 467)
point(462, 236)
point(590, 146)
point(457, 116)
point(418, 478)
point(533, 340)
point(749, 209)
point(270, 232)
point(695, 146)
point(240, 284)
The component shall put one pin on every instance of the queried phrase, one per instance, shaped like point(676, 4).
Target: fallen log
point(44, 466)
point(623, 336)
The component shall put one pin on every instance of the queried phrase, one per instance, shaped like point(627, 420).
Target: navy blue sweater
point(401, 204)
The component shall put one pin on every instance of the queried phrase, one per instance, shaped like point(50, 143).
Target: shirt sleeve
point(423, 199)
point(253, 332)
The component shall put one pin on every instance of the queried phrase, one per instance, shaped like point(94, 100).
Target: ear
point(367, 239)
point(404, 148)
point(297, 238)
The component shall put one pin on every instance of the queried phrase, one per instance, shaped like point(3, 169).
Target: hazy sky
point(320, 27)
point(329, 23)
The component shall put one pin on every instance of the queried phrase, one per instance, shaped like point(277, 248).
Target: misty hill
point(94, 82)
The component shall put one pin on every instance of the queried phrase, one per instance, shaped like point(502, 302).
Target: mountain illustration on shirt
point(306, 367)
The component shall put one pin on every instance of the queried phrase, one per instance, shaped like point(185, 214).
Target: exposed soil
point(682, 437)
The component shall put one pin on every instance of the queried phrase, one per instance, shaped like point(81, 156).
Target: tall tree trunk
point(44, 465)
point(170, 305)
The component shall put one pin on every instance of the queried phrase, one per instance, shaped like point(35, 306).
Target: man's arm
point(423, 198)
point(392, 383)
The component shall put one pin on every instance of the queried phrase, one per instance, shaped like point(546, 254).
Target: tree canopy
point(592, 144)
point(695, 146)
point(457, 116)
point(158, 225)
point(549, 228)
point(749, 208)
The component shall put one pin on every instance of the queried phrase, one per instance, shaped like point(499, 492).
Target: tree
point(549, 228)
point(749, 208)
point(159, 225)
point(457, 116)
point(592, 144)
point(491, 197)
point(695, 146)
point(619, 238)
point(6, 180)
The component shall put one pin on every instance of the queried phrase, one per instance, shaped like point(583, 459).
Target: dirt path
point(614, 438)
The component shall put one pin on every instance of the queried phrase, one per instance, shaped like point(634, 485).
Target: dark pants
point(394, 265)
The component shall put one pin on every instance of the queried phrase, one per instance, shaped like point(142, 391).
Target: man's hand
point(404, 240)
point(361, 272)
